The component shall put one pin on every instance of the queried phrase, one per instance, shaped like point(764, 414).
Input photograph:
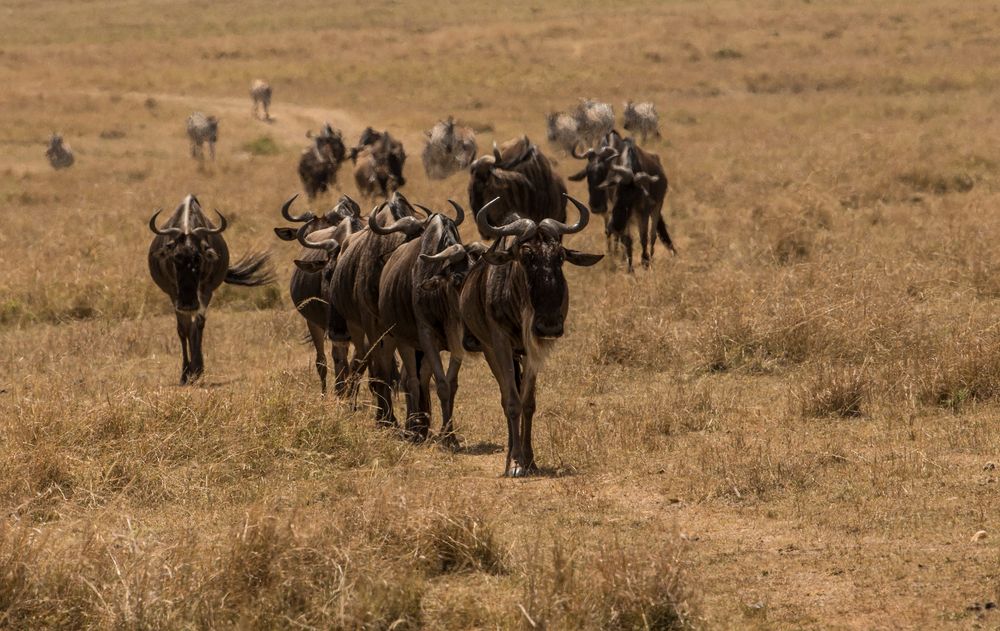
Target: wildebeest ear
point(285, 234)
point(582, 259)
point(576, 177)
point(310, 267)
point(498, 257)
point(211, 254)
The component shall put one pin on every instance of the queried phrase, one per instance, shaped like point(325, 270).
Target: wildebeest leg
point(211, 150)
point(626, 241)
point(411, 386)
point(425, 394)
point(317, 334)
point(501, 361)
point(195, 337)
point(527, 393)
point(183, 330)
point(380, 367)
point(643, 239)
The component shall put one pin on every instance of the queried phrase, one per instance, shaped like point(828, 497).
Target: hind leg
point(316, 334)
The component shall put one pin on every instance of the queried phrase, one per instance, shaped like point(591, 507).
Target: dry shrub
point(462, 544)
point(611, 588)
point(927, 181)
point(834, 391)
point(689, 408)
point(961, 374)
point(634, 339)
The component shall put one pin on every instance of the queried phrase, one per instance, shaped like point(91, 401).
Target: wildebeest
point(642, 119)
point(637, 186)
point(321, 160)
point(202, 129)
point(260, 94)
point(599, 160)
point(522, 177)
point(353, 296)
point(563, 130)
point(418, 306)
point(189, 260)
point(514, 302)
point(322, 238)
point(450, 148)
point(379, 159)
point(59, 153)
point(594, 120)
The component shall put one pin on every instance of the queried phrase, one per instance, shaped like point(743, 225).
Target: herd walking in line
point(397, 292)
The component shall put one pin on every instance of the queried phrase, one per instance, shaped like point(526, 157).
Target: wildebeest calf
point(58, 152)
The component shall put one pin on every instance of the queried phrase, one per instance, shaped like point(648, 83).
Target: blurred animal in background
point(641, 119)
point(450, 148)
point(260, 93)
point(321, 160)
point(563, 130)
point(379, 160)
point(59, 153)
point(594, 120)
point(202, 129)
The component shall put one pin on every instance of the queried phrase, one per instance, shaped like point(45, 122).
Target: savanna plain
point(791, 424)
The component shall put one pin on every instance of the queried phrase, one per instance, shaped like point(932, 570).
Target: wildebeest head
point(330, 239)
point(599, 161)
point(329, 144)
point(401, 217)
point(345, 209)
point(55, 143)
point(441, 249)
point(625, 176)
point(191, 255)
point(537, 249)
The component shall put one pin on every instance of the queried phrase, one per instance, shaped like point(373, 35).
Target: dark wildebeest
point(594, 120)
point(596, 172)
point(321, 160)
point(354, 290)
point(418, 306)
point(379, 159)
point(202, 129)
point(514, 302)
point(58, 152)
point(321, 237)
point(188, 260)
point(450, 149)
point(522, 177)
point(642, 119)
point(638, 187)
point(260, 94)
point(563, 130)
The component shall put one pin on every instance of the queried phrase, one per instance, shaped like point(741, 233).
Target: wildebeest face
point(542, 258)
point(191, 258)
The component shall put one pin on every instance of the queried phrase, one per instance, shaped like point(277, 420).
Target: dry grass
point(789, 425)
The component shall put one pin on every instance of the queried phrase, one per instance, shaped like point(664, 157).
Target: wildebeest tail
point(661, 230)
point(253, 270)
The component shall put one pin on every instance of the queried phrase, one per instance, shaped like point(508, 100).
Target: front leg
point(501, 360)
point(183, 332)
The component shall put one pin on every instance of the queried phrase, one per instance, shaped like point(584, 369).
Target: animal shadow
point(481, 448)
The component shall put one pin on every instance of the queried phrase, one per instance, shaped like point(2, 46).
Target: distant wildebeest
point(189, 260)
point(59, 153)
point(322, 238)
point(202, 129)
point(599, 160)
point(321, 160)
point(637, 186)
point(563, 130)
point(594, 120)
point(450, 149)
point(353, 296)
point(514, 303)
point(379, 159)
point(522, 177)
point(418, 306)
point(260, 94)
point(641, 119)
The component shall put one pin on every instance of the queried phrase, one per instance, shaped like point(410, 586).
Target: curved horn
point(286, 207)
point(560, 228)
point(496, 153)
point(449, 254)
point(587, 155)
point(427, 211)
point(407, 224)
point(459, 212)
point(522, 228)
point(325, 244)
point(208, 230)
point(165, 232)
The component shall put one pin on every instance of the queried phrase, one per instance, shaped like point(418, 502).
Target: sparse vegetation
point(788, 425)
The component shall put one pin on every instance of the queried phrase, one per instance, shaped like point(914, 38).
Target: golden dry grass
point(790, 425)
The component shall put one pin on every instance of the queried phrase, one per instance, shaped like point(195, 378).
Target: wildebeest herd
point(395, 290)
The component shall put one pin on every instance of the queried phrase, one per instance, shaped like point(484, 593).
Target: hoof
point(450, 442)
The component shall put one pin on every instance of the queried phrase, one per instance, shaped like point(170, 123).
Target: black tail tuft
point(661, 230)
point(253, 270)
